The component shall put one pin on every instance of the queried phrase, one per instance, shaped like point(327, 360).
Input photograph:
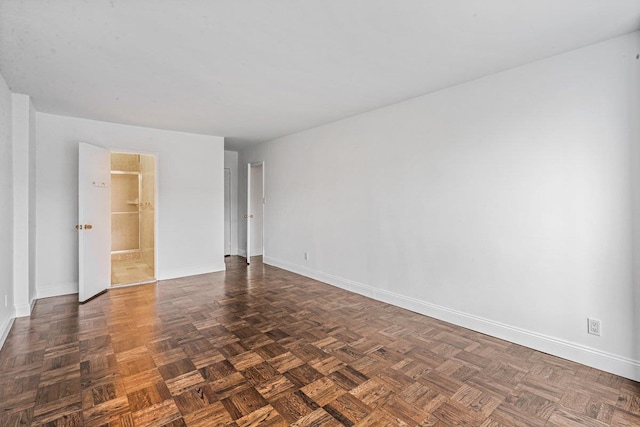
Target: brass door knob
point(78, 226)
point(88, 226)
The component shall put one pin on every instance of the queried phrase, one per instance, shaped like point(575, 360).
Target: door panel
point(256, 209)
point(227, 211)
point(248, 215)
point(94, 226)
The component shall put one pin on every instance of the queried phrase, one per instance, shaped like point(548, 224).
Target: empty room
point(320, 213)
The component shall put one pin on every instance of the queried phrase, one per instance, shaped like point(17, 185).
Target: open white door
point(248, 215)
point(94, 221)
point(227, 211)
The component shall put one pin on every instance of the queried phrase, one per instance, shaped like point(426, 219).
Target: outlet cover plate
point(594, 326)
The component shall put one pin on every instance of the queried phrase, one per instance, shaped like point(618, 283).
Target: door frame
point(264, 202)
point(156, 201)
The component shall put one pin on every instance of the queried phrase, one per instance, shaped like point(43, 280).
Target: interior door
point(227, 211)
point(94, 220)
point(248, 215)
point(257, 200)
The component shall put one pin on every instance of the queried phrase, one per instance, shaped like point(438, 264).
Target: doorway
point(255, 210)
point(133, 252)
point(227, 212)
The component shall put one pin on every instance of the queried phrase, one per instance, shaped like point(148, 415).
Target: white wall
point(7, 313)
point(634, 160)
point(32, 205)
point(23, 196)
point(231, 162)
point(189, 198)
point(505, 204)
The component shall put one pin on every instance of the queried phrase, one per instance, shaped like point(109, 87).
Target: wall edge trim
point(54, 291)
point(193, 271)
point(5, 328)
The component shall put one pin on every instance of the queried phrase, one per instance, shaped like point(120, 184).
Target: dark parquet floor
point(260, 346)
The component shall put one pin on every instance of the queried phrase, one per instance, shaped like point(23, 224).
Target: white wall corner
point(23, 310)
point(623, 366)
point(21, 110)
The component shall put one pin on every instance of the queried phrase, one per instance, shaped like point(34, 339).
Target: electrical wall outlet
point(306, 256)
point(593, 326)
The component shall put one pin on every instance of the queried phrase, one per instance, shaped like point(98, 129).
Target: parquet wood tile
point(259, 346)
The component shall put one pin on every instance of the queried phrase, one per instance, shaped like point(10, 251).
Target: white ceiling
point(252, 70)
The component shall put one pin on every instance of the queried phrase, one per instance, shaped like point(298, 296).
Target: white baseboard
point(57, 290)
point(243, 253)
point(5, 327)
point(619, 365)
point(191, 271)
point(24, 310)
